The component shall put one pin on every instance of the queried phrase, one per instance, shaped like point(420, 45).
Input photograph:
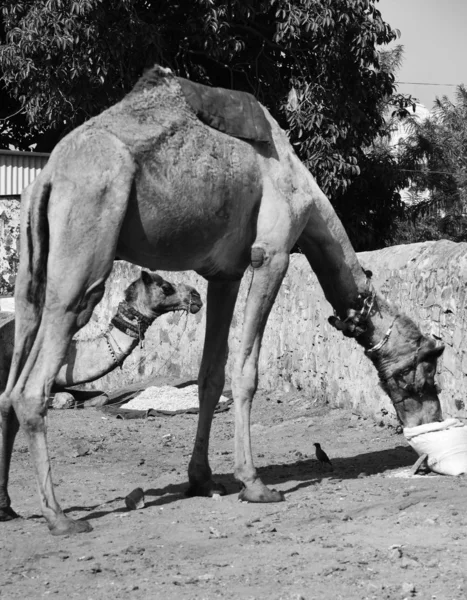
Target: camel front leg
point(220, 306)
point(265, 284)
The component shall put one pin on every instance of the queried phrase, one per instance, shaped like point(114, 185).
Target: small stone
point(406, 563)
point(81, 449)
point(206, 577)
point(362, 475)
point(135, 499)
point(167, 439)
point(395, 553)
point(215, 533)
point(408, 588)
point(96, 568)
point(62, 400)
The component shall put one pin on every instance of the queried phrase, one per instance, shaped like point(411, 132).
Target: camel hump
point(235, 113)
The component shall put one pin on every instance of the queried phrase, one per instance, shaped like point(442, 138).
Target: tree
point(436, 154)
point(316, 64)
point(370, 205)
point(66, 60)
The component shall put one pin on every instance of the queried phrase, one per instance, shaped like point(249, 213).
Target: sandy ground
point(366, 530)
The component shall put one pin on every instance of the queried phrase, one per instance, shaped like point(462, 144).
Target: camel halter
point(130, 321)
point(385, 338)
point(405, 386)
point(354, 324)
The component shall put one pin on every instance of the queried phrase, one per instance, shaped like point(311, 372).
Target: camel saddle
point(235, 113)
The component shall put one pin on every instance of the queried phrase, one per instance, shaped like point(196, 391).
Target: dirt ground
point(366, 530)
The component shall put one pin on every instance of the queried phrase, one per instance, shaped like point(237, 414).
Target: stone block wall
point(300, 348)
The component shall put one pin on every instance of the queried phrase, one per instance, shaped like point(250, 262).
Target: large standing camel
point(148, 182)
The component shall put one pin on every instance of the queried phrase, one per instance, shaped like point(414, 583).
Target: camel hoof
point(206, 489)
point(260, 493)
point(66, 526)
point(8, 514)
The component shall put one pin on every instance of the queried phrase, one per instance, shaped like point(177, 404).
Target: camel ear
point(146, 278)
point(431, 352)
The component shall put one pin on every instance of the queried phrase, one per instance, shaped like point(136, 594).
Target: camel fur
point(147, 182)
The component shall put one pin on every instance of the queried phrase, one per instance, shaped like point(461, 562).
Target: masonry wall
point(300, 348)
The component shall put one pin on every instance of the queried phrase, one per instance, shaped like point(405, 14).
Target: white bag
point(445, 443)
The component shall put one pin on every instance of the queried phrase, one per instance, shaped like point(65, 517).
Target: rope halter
point(130, 321)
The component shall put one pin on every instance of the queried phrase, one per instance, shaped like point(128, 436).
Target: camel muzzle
point(196, 304)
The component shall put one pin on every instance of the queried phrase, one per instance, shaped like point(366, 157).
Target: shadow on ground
point(306, 472)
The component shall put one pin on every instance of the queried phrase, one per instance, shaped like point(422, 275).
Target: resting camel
point(145, 299)
point(147, 181)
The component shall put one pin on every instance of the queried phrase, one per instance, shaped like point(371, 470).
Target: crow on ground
point(322, 456)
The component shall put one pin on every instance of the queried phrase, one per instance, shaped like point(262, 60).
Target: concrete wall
point(300, 348)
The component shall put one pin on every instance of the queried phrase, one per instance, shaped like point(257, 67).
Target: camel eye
point(168, 289)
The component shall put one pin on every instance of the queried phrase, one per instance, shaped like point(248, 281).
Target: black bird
point(322, 456)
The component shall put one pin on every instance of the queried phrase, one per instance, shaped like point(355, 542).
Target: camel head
point(406, 364)
point(152, 296)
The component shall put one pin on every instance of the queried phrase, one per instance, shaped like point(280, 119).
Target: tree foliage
point(436, 154)
point(314, 63)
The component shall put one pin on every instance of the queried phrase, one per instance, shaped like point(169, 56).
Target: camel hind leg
point(84, 224)
point(28, 307)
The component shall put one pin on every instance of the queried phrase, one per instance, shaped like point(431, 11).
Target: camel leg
point(220, 306)
point(10, 426)
point(29, 397)
point(265, 284)
point(26, 324)
point(65, 260)
point(71, 304)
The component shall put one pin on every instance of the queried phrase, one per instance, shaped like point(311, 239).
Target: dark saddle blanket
point(236, 113)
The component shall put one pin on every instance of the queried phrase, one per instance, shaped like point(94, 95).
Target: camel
point(145, 299)
point(148, 182)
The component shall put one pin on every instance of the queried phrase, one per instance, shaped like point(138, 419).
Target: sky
point(434, 36)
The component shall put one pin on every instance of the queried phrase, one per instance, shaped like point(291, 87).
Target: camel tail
point(31, 279)
point(36, 242)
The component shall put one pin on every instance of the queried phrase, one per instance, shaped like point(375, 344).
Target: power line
point(423, 83)
point(427, 172)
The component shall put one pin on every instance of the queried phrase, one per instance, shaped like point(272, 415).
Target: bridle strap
point(385, 338)
point(413, 368)
point(130, 321)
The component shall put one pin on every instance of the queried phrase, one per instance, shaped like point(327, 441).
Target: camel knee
point(5, 404)
point(31, 410)
point(245, 382)
point(259, 256)
point(212, 376)
point(262, 255)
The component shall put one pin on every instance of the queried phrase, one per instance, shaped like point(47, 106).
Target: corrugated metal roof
point(19, 169)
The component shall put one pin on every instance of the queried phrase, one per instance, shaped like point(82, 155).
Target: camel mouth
point(192, 307)
point(195, 308)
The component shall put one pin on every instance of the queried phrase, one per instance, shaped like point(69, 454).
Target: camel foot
point(7, 514)
point(206, 489)
point(66, 526)
point(258, 492)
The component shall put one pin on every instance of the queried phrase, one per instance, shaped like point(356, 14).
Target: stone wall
point(300, 348)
